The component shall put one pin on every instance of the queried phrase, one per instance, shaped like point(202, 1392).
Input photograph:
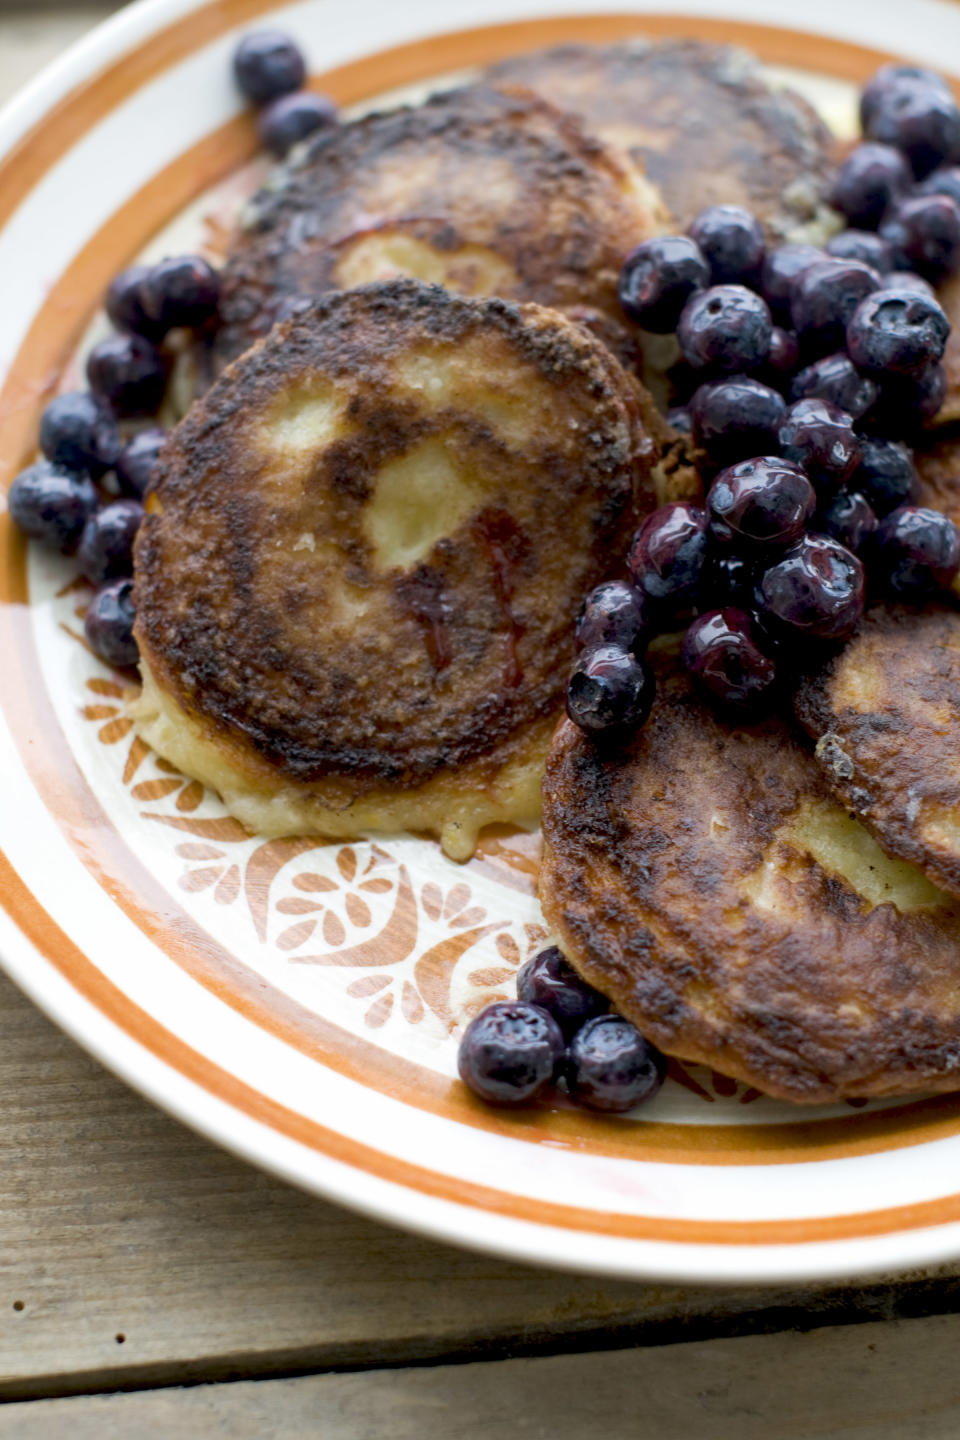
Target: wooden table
point(152, 1286)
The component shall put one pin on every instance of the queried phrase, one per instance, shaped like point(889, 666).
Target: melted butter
point(845, 849)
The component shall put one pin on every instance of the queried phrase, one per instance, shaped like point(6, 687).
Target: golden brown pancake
point(949, 296)
point(484, 192)
point(885, 715)
point(701, 122)
point(704, 877)
point(363, 553)
point(938, 467)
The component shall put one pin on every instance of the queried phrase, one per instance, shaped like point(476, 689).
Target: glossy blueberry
point(736, 418)
point(782, 360)
point(864, 246)
point(836, 379)
point(816, 590)
point(611, 1067)
point(550, 981)
point(609, 691)
point(885, 475)
point(725, 330)
point(868, 182)
point(658, 278)
point(909, 402)
point(510, 1052)
point(897, 332)
point(945, 181)
point(287, 121)
point(921, 120)
point(181, 290)
point(722, 649)
point(124, 302)
point(137, 460)
point(267, 64)
point(679, 418)
point(849, 518)
point(781, 270)
point(106, 545)
point(761, 502)
point(917, 552)
point(667, 553)
point(128, 373)
point(824, 298)
point(727, 578)
point(612, 614)
point(924, 232)
point(109, 623)
point(819, 437)
point(77, 432)
point(887, 79)
point(51, 505)
point(731, 241)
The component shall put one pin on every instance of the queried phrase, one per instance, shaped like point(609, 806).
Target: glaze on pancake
point(702, 124)
point(484, 192)
point(885, 715)
point(363, 554)
point(705, 878)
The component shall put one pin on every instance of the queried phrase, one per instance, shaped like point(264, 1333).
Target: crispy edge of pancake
point(884, 713)
point(704, 878)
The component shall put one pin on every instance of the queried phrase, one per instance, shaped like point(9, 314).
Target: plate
point(299, 1001)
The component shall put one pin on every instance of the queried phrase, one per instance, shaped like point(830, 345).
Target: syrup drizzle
point(502, 540)
point(422, 593)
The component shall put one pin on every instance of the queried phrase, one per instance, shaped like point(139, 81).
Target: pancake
point(702, 124)
point(949, 296)
point(707, 881)
point(885, 715)
point(363, 553)
point(938, 468)
point(484, 192)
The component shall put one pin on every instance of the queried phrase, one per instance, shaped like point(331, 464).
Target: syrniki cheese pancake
point(884, 713)
point(484, 192)
point(702, 124)
point(363, 554)
point(704, 877)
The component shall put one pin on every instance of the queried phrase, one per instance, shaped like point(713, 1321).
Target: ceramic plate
point(300, 1001)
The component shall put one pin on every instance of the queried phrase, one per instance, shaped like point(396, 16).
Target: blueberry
point(77, 432)
point(550, 981)
point(849, 518)
point(287, 121)
point(611, 1067)
point(908, 280)
point(612, 614)
point(667, 553)
point(610, 691)
point(945, 181)
point(181, 290)
point(924, 232)
point(733, 419)
point(679, 419)
point(824, 298)
point(897, 332)
point(51, 505)
point(124, 303)
point(760, 502)
point(138, 459)
point(819, 436)
point(835, 378)
point(725, 330)
point(869, 181)
point(510, 1052)
point(917, 552)
point(657, 280)
point(864, 246)
point(731, 241)
point(885, 475)
point(888, 78)
point(106, 545)
point(722, 650)
point(816, 590)
point(267, 64)
point(109, 624)
point(782, 360)
point(781, 270)
point(920, 119)
point(128, 373)
point(912, 401)
point(728, 578)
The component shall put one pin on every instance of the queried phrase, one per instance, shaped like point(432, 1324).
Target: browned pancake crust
point(949, 296)
point(676, 884)
point(262, 607)
point(486, 192)
point(699, 119)
point(938, 467)
point(885, 713)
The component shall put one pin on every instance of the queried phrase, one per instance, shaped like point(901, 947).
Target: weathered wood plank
point(867, 1382)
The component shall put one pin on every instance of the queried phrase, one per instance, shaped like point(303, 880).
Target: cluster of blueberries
point(269, 69)
point(806, 370)
point(558, 1029)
